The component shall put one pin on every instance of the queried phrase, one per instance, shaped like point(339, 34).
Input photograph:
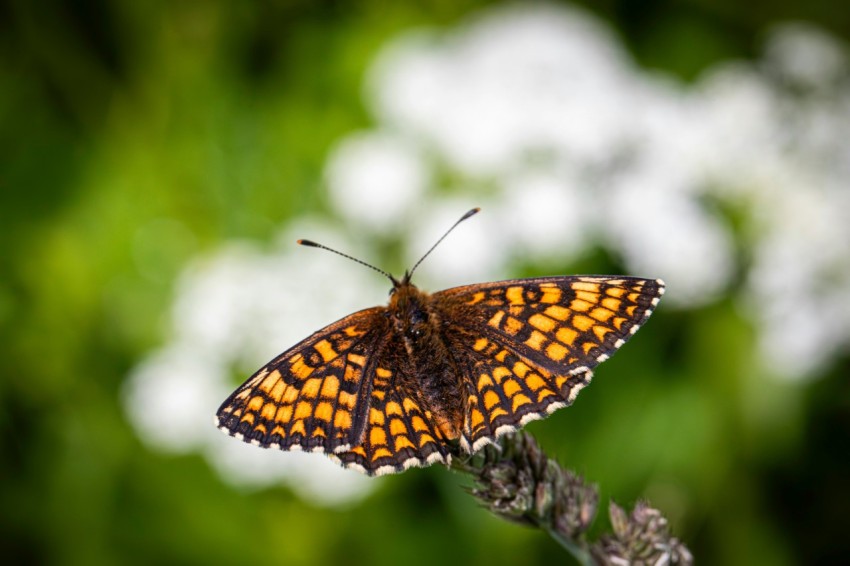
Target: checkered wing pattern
point(341, 392)
point(400, 432)
point(527, 347)
point(311, 396)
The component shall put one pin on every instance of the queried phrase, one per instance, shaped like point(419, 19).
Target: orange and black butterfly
point(409, 384)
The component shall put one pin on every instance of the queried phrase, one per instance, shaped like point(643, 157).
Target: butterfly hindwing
point(399, 433)
point(311, 396)
point(505, 390)
point(527, 347)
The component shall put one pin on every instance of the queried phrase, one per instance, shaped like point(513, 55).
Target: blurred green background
point(219, 116)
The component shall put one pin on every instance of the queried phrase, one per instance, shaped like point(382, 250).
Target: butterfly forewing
point(526, 347)
point(311, 397)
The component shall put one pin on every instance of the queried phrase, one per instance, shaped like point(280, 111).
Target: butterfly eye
point(392, 291)
point(418, 317)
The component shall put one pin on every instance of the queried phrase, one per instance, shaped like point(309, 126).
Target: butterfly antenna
point(472, 212)
point(313, 244)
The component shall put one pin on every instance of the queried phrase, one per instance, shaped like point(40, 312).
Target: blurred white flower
point(170, 394)
point(799, 285)
point(735, 114)
point(474, 253)
point(234, 311)
point(542, 103)
point(806, 55)
point(314, 478)
point(515, 80)
point(661, 233)
point(375, 179)
point(545, 216)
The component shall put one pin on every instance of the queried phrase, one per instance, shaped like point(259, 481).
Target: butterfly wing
point(400, 432)
point(527, 347)
point(344, 391)
point(311, 396)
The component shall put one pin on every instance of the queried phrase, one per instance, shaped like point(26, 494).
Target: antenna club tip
point(308, 243)
point(475, 210)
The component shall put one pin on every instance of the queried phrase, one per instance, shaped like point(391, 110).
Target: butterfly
point(432, 375)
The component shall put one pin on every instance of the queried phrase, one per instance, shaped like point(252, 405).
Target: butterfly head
point(408, 309)
point(405, 282)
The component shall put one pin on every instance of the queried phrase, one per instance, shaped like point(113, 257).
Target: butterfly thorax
point(417, 321)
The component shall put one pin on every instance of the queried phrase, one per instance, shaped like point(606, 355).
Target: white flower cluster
point(542, 119)
point(538, 115)
point(234, 312)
